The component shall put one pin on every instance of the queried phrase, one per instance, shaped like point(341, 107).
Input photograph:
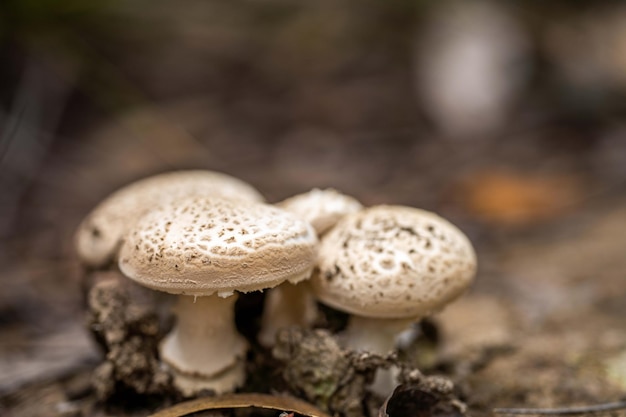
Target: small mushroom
point(293, 305)
point(205, 250)
point(322, 208)
point(100, 234)
point(389, 266)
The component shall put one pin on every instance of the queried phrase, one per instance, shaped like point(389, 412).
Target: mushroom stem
point(286, 305)
point(376, 336)
point(204, 341)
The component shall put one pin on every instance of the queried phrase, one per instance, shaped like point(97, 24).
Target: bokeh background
point(507, 117)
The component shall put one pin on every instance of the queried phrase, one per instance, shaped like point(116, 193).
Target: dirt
point(426, 397)
point(316, 368)
point(129, 333)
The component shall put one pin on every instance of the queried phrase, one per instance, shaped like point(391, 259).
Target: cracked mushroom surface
point(205, 250)
point(100, 234)
point(294, 305)
point(393, 262)
point(388, 266)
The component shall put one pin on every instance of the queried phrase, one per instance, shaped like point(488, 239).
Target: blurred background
point(506, 117)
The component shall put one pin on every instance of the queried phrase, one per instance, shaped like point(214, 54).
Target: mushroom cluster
point(206, 237)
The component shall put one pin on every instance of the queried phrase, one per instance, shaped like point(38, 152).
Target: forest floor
point(544, 325)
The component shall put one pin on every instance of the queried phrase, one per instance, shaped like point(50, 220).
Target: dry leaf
point(280, 403)
point(517, 199)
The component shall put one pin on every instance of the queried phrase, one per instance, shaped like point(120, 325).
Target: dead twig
point(587, 409)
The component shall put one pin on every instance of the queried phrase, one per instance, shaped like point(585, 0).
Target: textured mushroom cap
point(199, 246)
point(99, 235)
point(322, 208)
point(393, 262)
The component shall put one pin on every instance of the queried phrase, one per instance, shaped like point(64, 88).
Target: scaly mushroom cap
point(99, 235)
point(322, 208)
point(200, 245)
point(393, 262)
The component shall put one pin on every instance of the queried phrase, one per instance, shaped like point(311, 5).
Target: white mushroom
point(205, 250)
point(293, 305)
point(100, 233)
point(322, 208)
point(388, 266)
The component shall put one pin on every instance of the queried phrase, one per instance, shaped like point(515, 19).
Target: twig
point(619, 405)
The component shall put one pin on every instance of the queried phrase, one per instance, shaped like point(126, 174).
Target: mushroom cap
point(201, 245)
point(99, 235)
point(393, 262)
point(322, 208)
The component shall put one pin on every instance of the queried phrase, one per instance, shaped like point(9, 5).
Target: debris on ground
point(318, 369)
point(422, 396)
point(129, 333)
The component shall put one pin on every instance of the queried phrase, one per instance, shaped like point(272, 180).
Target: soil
point(543, 201)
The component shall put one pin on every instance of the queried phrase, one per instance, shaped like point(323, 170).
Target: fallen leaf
point(245, 400)
point(516, 198)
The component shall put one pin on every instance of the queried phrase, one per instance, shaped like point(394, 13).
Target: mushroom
point(204, 250)
point(322, 208)
point(388, 266)
point(293, 305)
point(100, 234)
